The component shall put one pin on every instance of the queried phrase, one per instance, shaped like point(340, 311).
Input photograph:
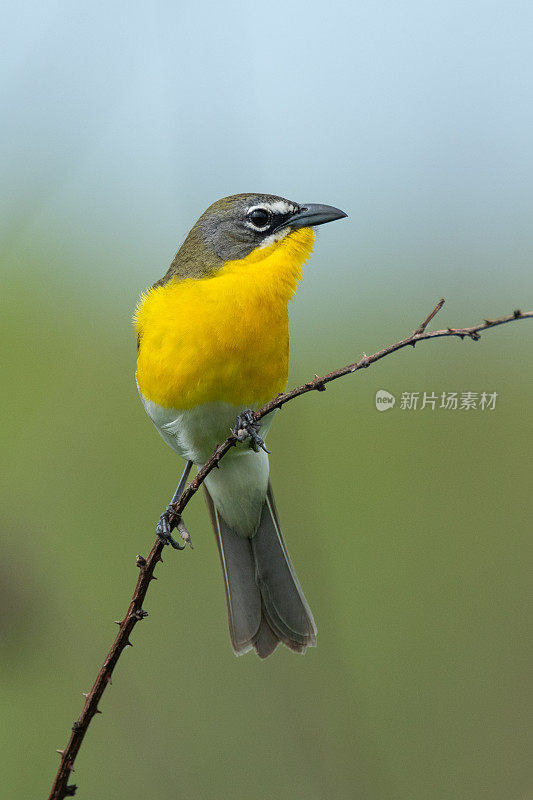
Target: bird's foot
point(167, 522)
point(247, 426)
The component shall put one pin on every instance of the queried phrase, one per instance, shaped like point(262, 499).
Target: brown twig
point(135, 611)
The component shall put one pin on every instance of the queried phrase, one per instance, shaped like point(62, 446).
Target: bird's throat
point(222, 338)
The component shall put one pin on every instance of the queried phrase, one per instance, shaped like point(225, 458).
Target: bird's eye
point(259, 217)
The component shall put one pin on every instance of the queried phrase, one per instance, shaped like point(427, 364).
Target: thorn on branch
point(475, 336)
point(71, 790)
point(277, 397)
point(423, 325)
point(61, 752)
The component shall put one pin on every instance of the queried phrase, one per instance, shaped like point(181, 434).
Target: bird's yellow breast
point(223, 338)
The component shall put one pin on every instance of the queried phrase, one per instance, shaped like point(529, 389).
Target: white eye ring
point(262, 216)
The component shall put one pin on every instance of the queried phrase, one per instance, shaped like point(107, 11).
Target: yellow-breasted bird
point(213, 343)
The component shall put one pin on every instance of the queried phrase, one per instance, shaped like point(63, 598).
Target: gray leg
point(168, 519)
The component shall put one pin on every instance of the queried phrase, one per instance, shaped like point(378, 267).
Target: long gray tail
point(266, 604)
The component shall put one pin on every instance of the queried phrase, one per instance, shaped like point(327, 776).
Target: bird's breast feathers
point(221, 339)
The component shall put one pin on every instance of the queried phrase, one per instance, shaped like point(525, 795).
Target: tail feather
point(283, 599)
point(265, 641)
point(266, 604)
point(242, 597)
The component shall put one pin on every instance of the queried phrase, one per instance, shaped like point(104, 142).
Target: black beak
point(310, 215)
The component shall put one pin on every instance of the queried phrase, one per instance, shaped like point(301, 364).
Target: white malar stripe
point(274, 237)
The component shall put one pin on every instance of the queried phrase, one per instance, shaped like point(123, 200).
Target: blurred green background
point(410, 531)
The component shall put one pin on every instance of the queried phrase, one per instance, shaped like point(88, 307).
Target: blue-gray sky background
point(123, 121)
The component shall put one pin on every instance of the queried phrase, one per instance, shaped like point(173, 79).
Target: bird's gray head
point(234, 226)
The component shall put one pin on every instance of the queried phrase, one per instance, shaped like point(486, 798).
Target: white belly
point(238, 487)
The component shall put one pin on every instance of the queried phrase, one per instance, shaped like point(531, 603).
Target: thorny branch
point(135, 612)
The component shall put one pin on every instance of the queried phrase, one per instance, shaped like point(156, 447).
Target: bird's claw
point(167, 522)
point(247, 426)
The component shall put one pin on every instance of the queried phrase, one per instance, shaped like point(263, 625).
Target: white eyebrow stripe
point(276, 206)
